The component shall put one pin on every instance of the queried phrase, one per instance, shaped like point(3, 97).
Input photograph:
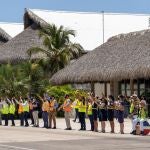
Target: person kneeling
point(141, 118)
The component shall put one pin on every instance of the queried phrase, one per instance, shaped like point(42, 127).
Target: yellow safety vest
point(143, 113)
point(76, 106)
point(82, 108)
point(5, 109)
point(89, 109)
point(12, 109)
point(26, 108)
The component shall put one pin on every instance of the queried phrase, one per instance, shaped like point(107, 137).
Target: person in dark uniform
point(103, 112)
point(110, 112)
point(95, 112)
point(120, 108)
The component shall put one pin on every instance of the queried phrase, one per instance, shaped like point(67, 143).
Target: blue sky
point(12, 10)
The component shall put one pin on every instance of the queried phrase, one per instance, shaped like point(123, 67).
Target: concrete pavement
point(30, 138)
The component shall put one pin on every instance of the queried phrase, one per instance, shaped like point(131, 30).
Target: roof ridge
point(126, 35)
point(36, 18)
point(4, 34)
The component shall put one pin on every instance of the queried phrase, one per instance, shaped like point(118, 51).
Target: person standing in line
point(103, 112)
point(45, 110)
point(120, 108)
point(5, 111)
point(20, 110)
point(12, 110)
point(35, 112)
point(95, 111)
point(67, 109)
point(26, 111)
point(110, 112)
point(82, 112)
point(31, 111)
point(53, 105)
point(90, 114)
point(76, 106)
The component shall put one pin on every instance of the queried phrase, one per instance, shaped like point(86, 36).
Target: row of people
point(93, 107)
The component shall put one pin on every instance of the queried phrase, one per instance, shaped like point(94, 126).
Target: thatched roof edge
point(4, 35)
point(29, 15)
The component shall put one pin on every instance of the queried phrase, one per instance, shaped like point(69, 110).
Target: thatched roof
point(16, 49)
point(121, 57)
point(4, 36)
point(30, 18)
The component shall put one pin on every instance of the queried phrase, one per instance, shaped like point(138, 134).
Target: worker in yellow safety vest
point(12, 109)
point(90, 113)
point(26, 111)
point(82, 112)
point(5, 111)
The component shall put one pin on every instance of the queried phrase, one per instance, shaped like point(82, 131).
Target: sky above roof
point(13, 10)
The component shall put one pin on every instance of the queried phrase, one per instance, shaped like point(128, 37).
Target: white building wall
point(89, 26)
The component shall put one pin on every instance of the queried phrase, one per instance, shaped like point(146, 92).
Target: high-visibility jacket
point(5, 109)
point(131, 108)
point(67, 107)
point(76, 104)
point(143, 113)
point(20, 109)
point(26, 108)
point(82, 107)
point(12, 109)
point(89, 112)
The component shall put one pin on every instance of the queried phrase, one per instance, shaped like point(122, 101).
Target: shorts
point(95, 115)
point(120, 116)
point(110, 114)
point(103, 115)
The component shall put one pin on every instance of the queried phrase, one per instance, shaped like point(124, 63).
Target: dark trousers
point(82, 120)
point(76, 115)
point(21, 115)
point(91, 122)
point(45, 118)
point(6, 119)
point(12, 116)
point(26, 118)
point(31, 116)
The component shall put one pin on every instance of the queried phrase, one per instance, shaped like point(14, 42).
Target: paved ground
point(21, 138)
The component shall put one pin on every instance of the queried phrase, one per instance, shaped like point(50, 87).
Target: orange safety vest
point(20, 110)
point(67, 108)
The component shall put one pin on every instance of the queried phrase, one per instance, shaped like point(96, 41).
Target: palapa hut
point(15, 50)
point(119, 66)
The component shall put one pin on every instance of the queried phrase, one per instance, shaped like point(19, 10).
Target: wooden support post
point(132, 86)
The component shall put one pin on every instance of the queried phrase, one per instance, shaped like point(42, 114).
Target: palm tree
point(59, 50)
point(11, 81)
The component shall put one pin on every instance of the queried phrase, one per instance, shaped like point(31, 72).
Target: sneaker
point(54, 128)
point(68, 129)
point(133, 132)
